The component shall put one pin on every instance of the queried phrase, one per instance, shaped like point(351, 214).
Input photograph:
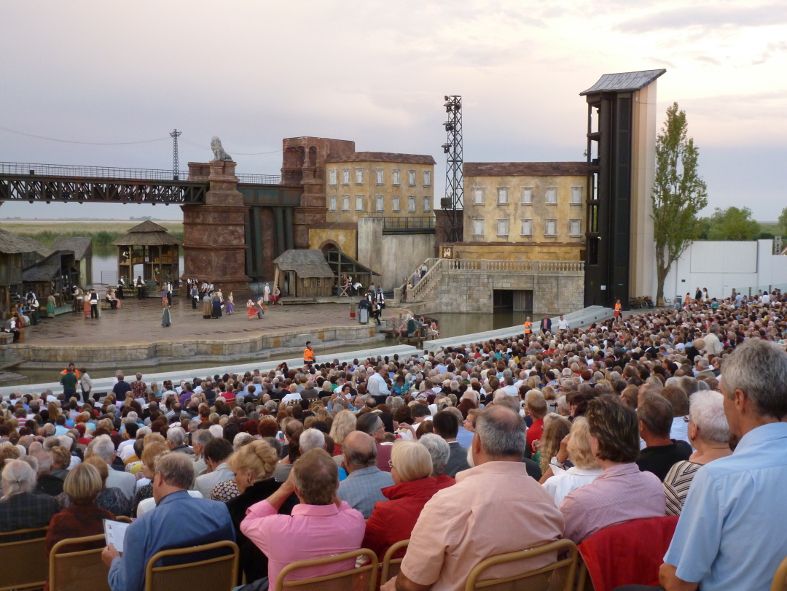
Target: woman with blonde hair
point(342, 425)
point(575, 447)
point(82, 517)
point(253, 465)
point(393, 520)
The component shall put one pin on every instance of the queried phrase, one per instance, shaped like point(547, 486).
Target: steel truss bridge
point(36, 182)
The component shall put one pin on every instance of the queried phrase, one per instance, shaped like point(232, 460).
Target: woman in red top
point(393, 520)
point(82, 517)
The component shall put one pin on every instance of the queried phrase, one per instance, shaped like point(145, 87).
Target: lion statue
point(218, 150)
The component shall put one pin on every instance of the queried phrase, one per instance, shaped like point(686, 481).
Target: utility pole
point(175, 134)
point(453, 201)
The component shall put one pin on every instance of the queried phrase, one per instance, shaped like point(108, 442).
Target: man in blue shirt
point(731, 533)
point(178, 521)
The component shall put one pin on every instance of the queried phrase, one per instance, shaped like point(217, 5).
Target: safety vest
point(308, 355)
point(528, 327)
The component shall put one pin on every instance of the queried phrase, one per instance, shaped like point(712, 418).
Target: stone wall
point(472, 291)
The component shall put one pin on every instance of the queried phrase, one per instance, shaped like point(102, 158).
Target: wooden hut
point(151, 246)
point(82, 247)
point(55, 274)
point(303, 273)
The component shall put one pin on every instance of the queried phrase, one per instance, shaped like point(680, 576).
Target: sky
point(375, 72)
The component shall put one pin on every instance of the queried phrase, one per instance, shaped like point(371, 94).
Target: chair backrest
point(73, 567)
point(392, 560)
point(780, 578)
point(557, 575)
point(627, 553)
point(24, 559)
point(123, 518)
point(211, 566)
point(356, 578)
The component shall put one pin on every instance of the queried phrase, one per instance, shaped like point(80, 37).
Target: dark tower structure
point(175, 134)
point(621, 160)
point(452, 203)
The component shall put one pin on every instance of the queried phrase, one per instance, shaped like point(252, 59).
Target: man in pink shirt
point(622, 492)
point(320, 525)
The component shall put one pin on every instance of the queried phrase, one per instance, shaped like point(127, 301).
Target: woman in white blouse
point(585, 469)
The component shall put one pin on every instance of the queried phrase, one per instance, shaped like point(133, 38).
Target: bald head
point(360, 451)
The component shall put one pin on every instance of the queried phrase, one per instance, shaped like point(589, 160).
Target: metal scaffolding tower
point(175, 134)
point(452, 203)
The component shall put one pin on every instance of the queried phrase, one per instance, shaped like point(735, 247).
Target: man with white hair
point(20, 508)
point(199, 440)
point(103, 447)
point(311, 439)
point(176, 439)
point(440, 451)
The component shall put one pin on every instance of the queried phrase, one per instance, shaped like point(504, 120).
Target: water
point(105, 269)
point(452, 325)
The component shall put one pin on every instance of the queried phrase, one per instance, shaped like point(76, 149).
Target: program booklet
point(115, 533)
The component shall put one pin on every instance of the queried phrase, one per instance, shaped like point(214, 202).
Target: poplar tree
point(679, 194)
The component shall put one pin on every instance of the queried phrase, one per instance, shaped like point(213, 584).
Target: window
point(395, 204)
point(379, 203)
point(411, 204)
point(427, 178)
point(550, 228)
point(551, 196)
point(527, 228)
point(527, 196)
point(332, 203)
point(411, 178)
point(574, 228)
point(478, 196)
point(346, 176)
point(502, 227)
point(478, 228)
point(396, 177)
point(427, 203)
point(332, 176)
point(380, 176)
point(359, 176)
point(346, 203)
point(576, 195)
point(502, 195)
point(359, 203)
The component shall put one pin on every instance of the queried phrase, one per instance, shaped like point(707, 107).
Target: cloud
point(710, 16)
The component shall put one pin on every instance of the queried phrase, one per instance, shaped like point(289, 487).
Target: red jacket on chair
point(627, 553)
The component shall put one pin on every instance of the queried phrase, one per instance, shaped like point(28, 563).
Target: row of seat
point(617, 555)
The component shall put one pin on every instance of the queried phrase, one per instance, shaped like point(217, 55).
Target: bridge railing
point(465, 265)
point(111, 172)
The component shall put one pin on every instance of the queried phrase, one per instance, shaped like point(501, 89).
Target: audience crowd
point(468, 452)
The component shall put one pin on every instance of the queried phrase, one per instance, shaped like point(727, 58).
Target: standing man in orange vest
point(527, 327)
point(618, 308)
point(308, 354)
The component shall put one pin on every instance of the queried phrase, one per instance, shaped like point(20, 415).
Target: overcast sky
point(254, 72)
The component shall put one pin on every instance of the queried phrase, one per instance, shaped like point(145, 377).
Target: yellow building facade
point(541, 204)
point(381, 184)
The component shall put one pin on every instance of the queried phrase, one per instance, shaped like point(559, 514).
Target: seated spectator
point(461, 525)
point(342, 425)
point(178, 521)
point(655, 423)
point(176, 439)
point(292, 433)
point(20, 507)
point(199, 440)
point(50, 482)
point(103, 447)
point(82, 517)
point(680, 411)
point(319, 526)
point(622, 492)
point(216, 453)
point(110, 499)
point(446, 425)
point(585, 468)
point(709, 434)
point(253, 465)
point(439, 451)
point(536, 408)
point(371, 424)
point(555, 430)
point(731, 532)
point(150, 455)
point(363, 486)
point(394, 519)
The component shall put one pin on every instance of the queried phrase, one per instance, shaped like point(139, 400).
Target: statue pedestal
point(214, 233)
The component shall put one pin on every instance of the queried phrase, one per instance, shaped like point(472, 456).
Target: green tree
point(678, 194)
point(783, 222)
point(733, 223)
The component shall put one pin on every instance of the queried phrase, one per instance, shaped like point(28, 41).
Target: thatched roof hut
point(147, 234)
point(303, 273)
point(151, 246)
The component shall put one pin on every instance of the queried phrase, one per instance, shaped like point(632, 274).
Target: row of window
point(379, 203)
point(525, 228)
point(526, 197)
point(379, 174)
